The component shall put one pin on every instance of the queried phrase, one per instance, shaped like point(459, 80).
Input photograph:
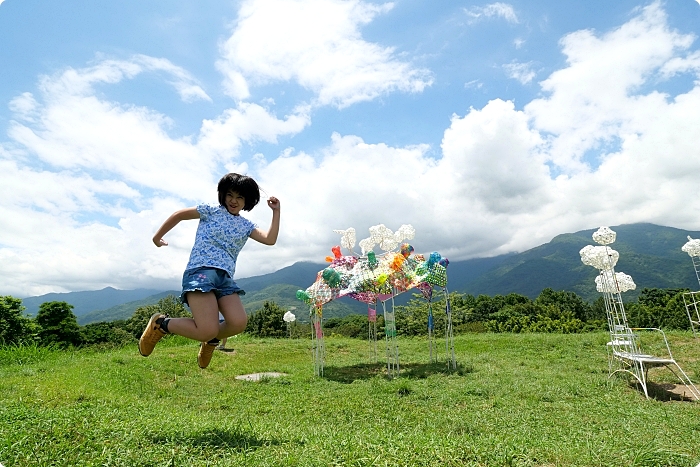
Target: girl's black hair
point(241, 184)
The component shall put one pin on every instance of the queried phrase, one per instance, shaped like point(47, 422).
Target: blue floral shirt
point(220, 237)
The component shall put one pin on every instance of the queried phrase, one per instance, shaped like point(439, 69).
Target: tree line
point(552, 311)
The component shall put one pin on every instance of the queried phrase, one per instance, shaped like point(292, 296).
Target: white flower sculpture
point(621, 283)
point(385, 238)
point(604, 236)
point(692, 247)
point(600, 257)
point(289, 317)
point(347, 239)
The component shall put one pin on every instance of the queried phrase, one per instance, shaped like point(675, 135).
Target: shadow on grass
point(363, 371)
point(217, 438)
point(665, 392)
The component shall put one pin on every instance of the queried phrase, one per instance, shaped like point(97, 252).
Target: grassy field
point(515, 400)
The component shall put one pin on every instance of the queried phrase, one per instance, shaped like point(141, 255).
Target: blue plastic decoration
point(434, 258)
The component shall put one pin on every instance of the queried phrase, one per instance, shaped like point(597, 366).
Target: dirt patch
point(668, 392)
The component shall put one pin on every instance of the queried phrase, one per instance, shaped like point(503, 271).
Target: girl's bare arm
point(269, 237)
point(172, 221)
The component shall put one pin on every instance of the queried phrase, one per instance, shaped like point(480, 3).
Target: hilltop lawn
point(516, 399)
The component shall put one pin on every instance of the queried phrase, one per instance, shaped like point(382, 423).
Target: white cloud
point(520, 71)
point(592, 101)
point(498, 9)
point(506, 179)
point(181, 80)
point(78, 82)
point(678, 65)
point(475, 84)
point(317, 44)
point(86, 181)
point(248, 122)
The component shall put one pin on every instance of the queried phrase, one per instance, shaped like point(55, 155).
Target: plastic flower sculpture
point(599, 257)
point(621, 283)
point(604, 236)
point(692, 247)
point(385, 238)
point(347, 239)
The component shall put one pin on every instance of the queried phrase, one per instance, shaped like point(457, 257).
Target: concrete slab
point(259, 376)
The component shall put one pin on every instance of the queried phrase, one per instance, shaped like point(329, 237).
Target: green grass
point(516, 399)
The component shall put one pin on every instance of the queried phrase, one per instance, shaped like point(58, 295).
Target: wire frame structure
point(691, 300)
point(372, 332)
point(376, 279)
point(449, 332)
point(625, 354)
point(392, 345)
point(317, 342)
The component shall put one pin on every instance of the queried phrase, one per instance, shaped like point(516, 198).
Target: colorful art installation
point(375, 279)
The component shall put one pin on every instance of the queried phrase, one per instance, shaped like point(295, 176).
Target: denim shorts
point(207, 279)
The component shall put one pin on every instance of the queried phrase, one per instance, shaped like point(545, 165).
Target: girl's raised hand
point(273, 202)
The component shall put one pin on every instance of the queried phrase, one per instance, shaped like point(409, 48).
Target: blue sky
point(489, 127)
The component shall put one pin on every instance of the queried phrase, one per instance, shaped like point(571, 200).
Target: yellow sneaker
point(206, 350)
point(151, 335)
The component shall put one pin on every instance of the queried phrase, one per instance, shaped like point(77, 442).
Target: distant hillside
point(282, 294)
point(88, 301)
point(651, 254)
point(124, 310)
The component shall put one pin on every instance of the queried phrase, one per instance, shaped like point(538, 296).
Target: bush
point(15, 328)
point(349, 326)
point(659, 308)
point(58, 325)
point(267, 321)
point(106, 333)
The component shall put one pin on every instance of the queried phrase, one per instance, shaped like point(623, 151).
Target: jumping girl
point(207, 284)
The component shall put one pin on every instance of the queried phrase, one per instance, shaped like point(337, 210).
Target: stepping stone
point(259, 376)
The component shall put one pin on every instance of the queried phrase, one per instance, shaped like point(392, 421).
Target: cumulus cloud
point(498, 9)
point(511, 179)
point(86, 178)
point(317, 44)
point(599, 146)
point(595, 98)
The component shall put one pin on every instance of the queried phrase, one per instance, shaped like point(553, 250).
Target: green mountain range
point(651, 254)
point(87, 301)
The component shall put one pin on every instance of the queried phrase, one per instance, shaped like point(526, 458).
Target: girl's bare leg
point(235, 318)
point(204, 324)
